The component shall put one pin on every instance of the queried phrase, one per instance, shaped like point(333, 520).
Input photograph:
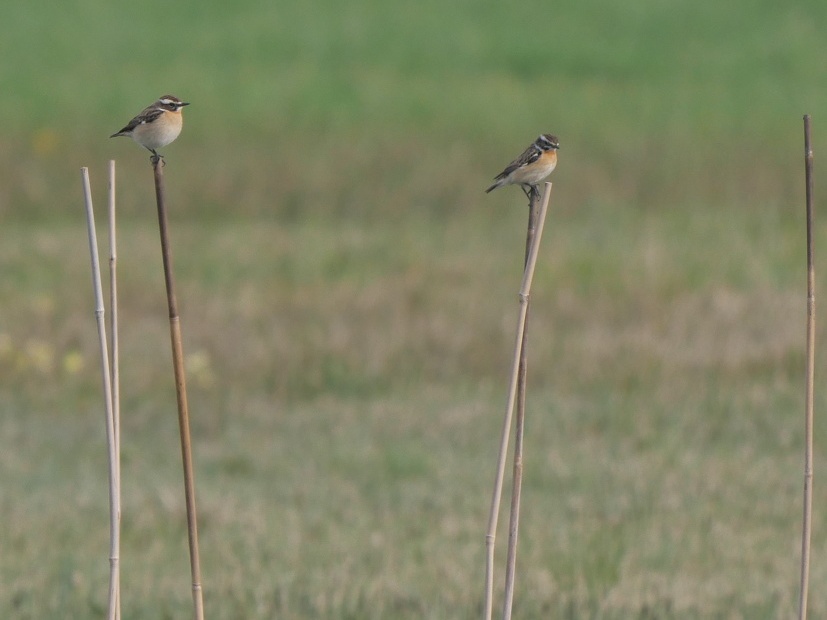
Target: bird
point(157, 125)
point(535, 164)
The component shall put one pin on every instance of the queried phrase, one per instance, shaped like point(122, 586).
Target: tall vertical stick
point(808, 400)
point(525, 289)
point(519, 428)
point(114, 364)
point(181, 391)
point(114, 490)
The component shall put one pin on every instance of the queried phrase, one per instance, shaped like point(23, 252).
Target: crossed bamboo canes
point(516, 396)
point(109, 375)
point(809, 373)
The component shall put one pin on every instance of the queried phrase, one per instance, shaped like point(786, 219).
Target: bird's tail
point(122, 132)
point(494, 186)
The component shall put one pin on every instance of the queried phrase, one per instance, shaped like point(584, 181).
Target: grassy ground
point(348, 304)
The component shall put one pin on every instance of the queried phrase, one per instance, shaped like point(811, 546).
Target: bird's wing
point(147, 116)
point(529, 156)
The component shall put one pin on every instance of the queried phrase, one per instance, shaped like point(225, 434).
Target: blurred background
point(348, 303)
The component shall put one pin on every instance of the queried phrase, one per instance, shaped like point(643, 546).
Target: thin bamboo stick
point(519, 428)
point(181, 390)
point(114, 490)
point(525, 289)
point(810, 372)
point(114, 362)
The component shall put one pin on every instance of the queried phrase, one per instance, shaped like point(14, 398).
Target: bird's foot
point(155, 158)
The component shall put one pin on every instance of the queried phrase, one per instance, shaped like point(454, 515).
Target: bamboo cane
point(180, 390)
point(113, 314)
point(115, 360)
point(809, 374)
point(114, 484)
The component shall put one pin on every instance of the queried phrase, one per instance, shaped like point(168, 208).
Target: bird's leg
point(157, 158)
point(531, 192)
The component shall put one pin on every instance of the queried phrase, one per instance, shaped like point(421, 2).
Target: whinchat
point(534, 165)
point(157, 125)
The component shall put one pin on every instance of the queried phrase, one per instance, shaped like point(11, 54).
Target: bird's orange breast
point(549, 158)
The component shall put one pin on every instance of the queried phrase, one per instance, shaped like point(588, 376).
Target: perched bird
point(534, 165)
point(157, 125)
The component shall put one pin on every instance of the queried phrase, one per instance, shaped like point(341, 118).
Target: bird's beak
point(183, 103)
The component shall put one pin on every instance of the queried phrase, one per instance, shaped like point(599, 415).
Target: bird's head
point(548, 142)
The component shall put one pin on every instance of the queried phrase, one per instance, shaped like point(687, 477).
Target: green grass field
point(348, 301)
